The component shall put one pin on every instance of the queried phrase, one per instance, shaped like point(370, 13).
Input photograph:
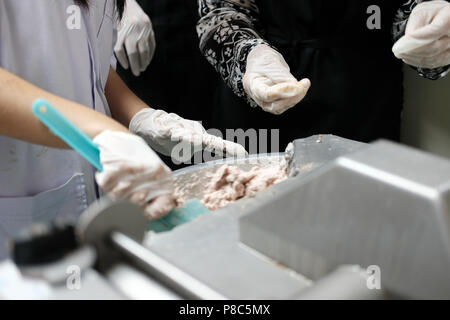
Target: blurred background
point(426, 115)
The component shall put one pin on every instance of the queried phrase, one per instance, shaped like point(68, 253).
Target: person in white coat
point(62, 51)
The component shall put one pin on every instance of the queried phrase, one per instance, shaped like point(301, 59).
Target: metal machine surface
point(386, 205)
point(346, 207)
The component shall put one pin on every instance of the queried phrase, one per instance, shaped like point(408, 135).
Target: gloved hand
point(269, 82)
point(163, 131)
point(426, 42)
point(133, 171)
point(135, 44)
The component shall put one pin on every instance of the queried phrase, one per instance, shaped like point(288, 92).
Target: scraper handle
point(66, 131)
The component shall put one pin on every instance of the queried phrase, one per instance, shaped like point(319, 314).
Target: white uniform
point(39, 183)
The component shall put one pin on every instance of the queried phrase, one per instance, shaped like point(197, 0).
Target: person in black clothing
point(178, 79)
point(351, 84)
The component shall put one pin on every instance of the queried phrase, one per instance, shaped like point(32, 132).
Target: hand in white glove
point(163, 131)
point(426, 42)
point(269, 82)
point(135, 44)
point(133, 171)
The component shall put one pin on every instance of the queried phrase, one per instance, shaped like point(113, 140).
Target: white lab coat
point(38, 183)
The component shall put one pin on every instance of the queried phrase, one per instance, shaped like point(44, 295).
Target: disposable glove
point(133, 171)
point(163, 131)
point(426, 43)
point(135, 44)
point(269, 82)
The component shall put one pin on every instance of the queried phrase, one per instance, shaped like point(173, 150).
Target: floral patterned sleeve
point(228, 30)
point(399, 28)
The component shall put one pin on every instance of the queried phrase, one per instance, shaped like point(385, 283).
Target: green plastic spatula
point(80, 142)
point(67, 131)
point(191, 210)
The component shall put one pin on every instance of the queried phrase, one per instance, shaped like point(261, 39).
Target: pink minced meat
point(229, 183)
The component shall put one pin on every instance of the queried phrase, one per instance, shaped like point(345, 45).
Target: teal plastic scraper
point(84, 145)
point(67, 132)
point(191, 210)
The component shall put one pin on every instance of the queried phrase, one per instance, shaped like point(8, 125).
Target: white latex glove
point(135, 44)
point(269, 82)
point(163, 131)
point(133, 171)
point(426, 42)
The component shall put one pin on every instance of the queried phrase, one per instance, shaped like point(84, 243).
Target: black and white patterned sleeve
point(401, 20)
point(228, 31)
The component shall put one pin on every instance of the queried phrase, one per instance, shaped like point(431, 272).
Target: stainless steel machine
point(353, 221)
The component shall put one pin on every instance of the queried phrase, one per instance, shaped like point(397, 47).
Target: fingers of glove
point(440, 60)
point(269, 76)
point(192, 144)
point(288, 90)
point(138, 181)
point(429, 22)
point(407, 44)
point(187, 130)
point(259, 90)
point(133, 55)
point(250, 83)
point(425, 13)
point(214, 144)
point(138, 198)
point(418, 48)
point(143, 45)
point(263, 90)
point(433, 28)
point(444, 59)
point(148, 191)
point(286, 102)
point(181, 151)
point(441, 21)
point(113, 182)
point(433, 53)
point(235, 150)
point(135, 64)
point(126, 159)
point(418, 19)
point(432, 50)
point(266, 66)
point(221, 146)
point(159, 123)
point(119, 50)
point(279, 75)
point(144, 54)
point(159, 207)
point(428, 34)
point(190, 126)
point(281, 106)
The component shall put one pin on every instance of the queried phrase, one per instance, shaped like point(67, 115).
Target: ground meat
point(230, 183)
point(179, 196)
